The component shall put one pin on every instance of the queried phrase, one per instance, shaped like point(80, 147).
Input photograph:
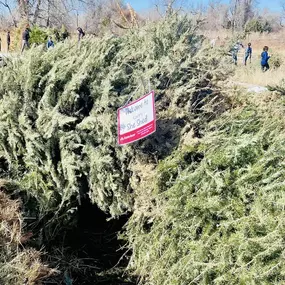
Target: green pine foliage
point(58, 110)
point(206, 191)
point(216, 213)
point(38, 35)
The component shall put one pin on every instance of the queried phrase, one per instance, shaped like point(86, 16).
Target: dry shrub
point(10, 230)
point(18, 265)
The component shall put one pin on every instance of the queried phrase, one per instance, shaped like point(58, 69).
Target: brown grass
point(252, 73)
point(18, 265)
point(10, 222)
point(274, 40)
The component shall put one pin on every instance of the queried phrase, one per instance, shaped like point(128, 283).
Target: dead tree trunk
point(37, 12)
point(48, 14)
point(24, 9)
point(6, 5)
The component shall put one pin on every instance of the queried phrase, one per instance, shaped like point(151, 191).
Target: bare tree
point(7, 6)
point(24, 6)
point(217, 15)
point(282, 13)
point(241, 11)
point(93, 15)
point(37, 11)
point(167, 7)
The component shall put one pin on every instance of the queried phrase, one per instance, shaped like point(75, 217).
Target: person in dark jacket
point(50, 43)
point(64, 34)
point(264, 59)
point(25, 39)
point(0, 44)
point(81, 34)
point(248, 53)
point(8, 41)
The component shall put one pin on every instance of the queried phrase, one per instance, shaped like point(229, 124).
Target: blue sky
point(140, 5)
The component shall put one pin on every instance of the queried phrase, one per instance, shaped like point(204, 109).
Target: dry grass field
point(252, 73)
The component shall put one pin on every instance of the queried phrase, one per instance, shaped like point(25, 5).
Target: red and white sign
point(136, 120)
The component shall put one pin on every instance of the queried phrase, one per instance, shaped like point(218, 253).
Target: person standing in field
point(213, 42)
point(248, 53)
point(25, 39)
point(64, 34)
point(0, 44)
point(235, 51)
point(8, 41)
point(81, 34)
point(264, 59)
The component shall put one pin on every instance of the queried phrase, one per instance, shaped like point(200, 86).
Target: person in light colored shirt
point(234, 51)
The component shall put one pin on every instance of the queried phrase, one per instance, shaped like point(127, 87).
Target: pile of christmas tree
point(205, 191)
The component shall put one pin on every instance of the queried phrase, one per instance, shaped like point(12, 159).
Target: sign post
point(136, 120)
